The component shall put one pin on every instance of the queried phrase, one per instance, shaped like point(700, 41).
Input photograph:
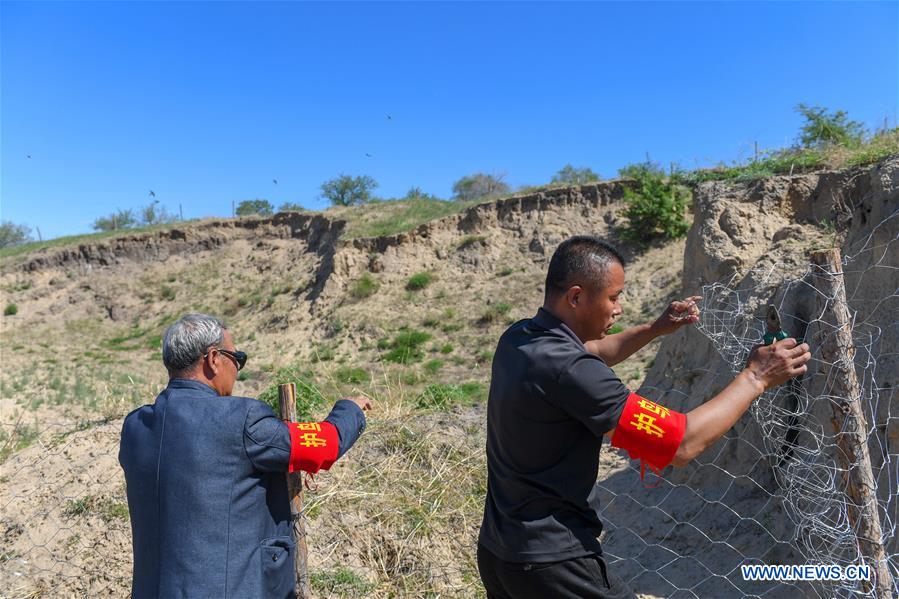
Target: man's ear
point(212, 361)
point(573, 296)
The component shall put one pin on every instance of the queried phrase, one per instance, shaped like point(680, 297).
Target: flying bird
point(275, 181)
point(368, 155)
point(152, 194)
point(28, 155)
point(389, 118)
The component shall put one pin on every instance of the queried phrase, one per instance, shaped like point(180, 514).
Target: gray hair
point(186, 341)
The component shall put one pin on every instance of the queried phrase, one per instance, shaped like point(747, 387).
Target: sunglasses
point(239, 357)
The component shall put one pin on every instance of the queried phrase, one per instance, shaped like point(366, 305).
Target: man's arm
point(766, 367)
point(618, 347)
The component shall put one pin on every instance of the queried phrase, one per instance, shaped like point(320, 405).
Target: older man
point(204, 470)
point(553, 396)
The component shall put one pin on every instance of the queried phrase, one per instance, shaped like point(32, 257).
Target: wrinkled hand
point(678, 314)
point(777, 363)
point(363, 402)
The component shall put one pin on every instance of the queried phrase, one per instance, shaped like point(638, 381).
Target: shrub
point(419, 281)
point(351, 375)
point(822, 127)
point(479, 185)
point(570, 175)
point(655, 208)
point(257, 206)
point(290, 207)
point(364, 287)
point(11, 309)
point(406, 347)
point(120, 219)
point(494, 313)
point(167, 293)
point(12, 234)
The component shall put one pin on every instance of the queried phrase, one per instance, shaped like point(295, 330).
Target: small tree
point(154, 214)
point(479, 185)
point(120, 219)
point(12, 234)
point(290, 207)
point(416, 193)
point(257, 206)
point(822, 127)
point(656, 207)
point(345, 190)
point(570, 175)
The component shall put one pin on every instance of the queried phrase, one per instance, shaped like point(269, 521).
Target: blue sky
point(206, 103)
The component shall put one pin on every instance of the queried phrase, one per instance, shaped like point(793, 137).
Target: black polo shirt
point(550, 403)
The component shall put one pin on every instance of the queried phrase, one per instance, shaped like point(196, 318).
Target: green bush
point(351, 375)
point(419, 281)
point(406, 347)
point(364, 287)
point(309, 396)
point(432, 366)
point(656, 208)
point(167, 293)
point(11, 309)
point(494, 313)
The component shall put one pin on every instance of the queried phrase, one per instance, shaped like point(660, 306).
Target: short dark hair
point(580, 260)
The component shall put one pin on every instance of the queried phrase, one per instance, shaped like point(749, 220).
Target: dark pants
point(577, 578)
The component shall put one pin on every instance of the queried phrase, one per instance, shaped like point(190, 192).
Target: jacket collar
point(549, 321)
point(191, 384)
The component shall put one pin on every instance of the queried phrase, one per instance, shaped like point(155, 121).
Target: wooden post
point(287, 405)
point(849, 423)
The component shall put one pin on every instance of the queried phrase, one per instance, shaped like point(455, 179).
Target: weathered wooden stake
point(287, 405)
point(849, 423)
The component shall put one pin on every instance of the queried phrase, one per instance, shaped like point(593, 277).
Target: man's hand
point(677, 314)
point(774, 364)
point(363, 402)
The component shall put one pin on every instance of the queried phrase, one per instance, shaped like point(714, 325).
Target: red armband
point(313, 446)
point(649, 432)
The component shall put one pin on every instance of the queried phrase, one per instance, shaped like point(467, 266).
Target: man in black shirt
point(553, 396)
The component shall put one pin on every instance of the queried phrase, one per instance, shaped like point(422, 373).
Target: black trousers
point(577, 578)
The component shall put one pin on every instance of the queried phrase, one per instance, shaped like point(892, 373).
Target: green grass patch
point(615, 328)
point(11, 309)
point(406, 347)
point(494, 313)
point(18, 286)
point(106, 508)
point(442, 396)
point(340, 581)
point(505, 272)
point(388, 217)
point(432, 367)
point(446, 348)
point(167, 293)
point(419, 281)
point(352, 375)
point(365, 286)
